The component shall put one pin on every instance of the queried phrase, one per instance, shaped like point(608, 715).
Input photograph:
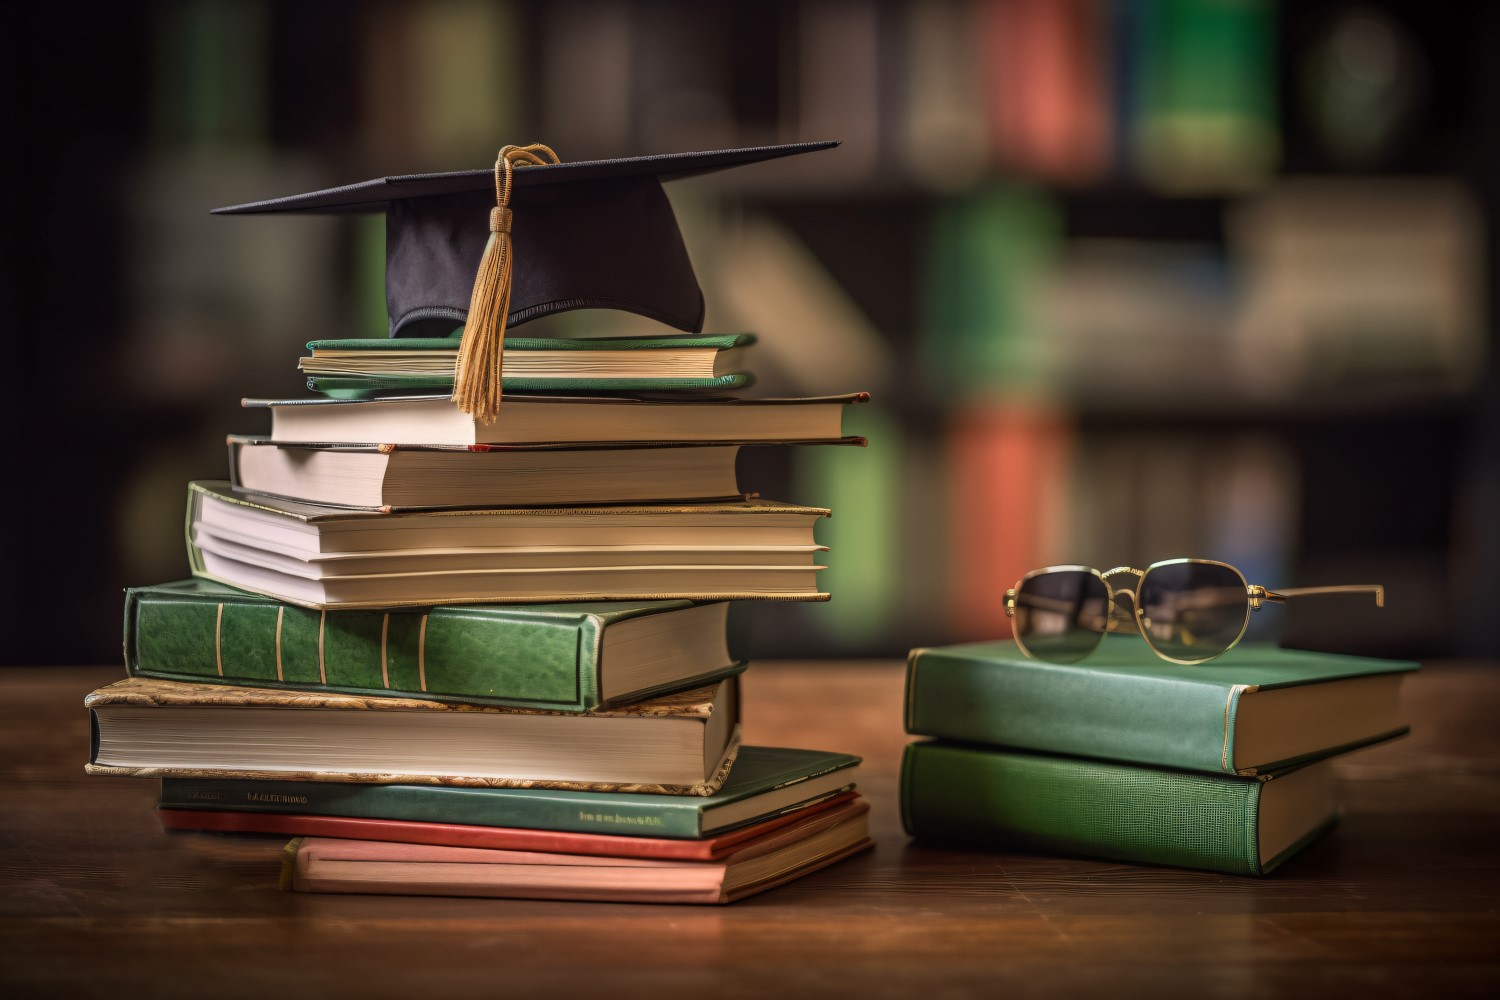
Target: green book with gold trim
point(1013, 800)
point(1254, 709)
point(358, 369)
point(566, 657)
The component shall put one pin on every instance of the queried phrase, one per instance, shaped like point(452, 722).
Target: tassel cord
point(481, 352)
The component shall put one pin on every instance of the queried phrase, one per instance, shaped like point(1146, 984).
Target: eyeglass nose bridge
point(1120, 584)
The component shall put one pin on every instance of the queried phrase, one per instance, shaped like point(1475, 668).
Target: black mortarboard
point(596, 234)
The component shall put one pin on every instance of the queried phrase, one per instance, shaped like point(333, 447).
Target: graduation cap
point(532, 237)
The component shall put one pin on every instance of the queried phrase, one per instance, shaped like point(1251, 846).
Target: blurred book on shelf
point(1129, 321)
point(1008, 500)
point(1349, 283)
point(1048, 107)
point(1205, 106)
point(944, 134)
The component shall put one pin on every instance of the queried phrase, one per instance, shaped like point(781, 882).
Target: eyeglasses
point(1187, 610)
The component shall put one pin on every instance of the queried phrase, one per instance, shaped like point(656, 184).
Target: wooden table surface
point(96, 901)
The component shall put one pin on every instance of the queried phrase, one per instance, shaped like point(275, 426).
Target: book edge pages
point(701, 789)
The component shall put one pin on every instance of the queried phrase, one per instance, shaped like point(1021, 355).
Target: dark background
point(136, 322)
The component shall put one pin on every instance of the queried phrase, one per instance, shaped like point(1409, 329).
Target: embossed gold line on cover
point(219, 640)
point(1188, 611)
point(385, 628)
point(1234, 694)
point(280, 614)
point(422, 654)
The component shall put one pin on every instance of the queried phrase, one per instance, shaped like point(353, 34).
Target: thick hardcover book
point(323, 557)
point(497, 838)
point(678, 744)
point(1253, 709)
point(434, 420)
point(408, 477)
point(562, 657)
point(765, 782)
point(362, 866)
point(1013, 800)
point(356, 369)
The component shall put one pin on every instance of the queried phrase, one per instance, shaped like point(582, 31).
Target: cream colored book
point(677, 744)
point(434, 420)
point(400, 477)
point(326, 558)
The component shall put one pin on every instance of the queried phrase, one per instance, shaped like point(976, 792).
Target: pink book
point(315, 864)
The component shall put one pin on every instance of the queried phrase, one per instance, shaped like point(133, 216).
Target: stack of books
point(460, 655)
point(375, 677)
point(1225, 766)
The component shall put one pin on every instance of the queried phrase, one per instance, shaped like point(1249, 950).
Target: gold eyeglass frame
point(1119, 620)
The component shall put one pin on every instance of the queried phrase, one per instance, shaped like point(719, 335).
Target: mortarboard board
point(532, 237)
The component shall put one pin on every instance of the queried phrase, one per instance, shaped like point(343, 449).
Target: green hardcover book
point(764, 782)
point(567, 658)
point(369, 386)
point(1251, 710)
point(355, 369)
point(1013, 800)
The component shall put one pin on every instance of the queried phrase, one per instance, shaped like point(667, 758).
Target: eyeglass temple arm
point(1258, 593)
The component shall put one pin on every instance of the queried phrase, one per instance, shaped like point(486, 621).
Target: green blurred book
point(1205, 73)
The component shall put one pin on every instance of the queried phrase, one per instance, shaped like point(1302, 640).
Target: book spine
point(584, 813)
point(439, 653)
point(1072, 710)
point(1060, 805)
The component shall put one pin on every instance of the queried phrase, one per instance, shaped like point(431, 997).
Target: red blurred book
point(489, 837)
point(1009, 470)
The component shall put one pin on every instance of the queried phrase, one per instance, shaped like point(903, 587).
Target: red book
point(488, 837)
point(366, 866)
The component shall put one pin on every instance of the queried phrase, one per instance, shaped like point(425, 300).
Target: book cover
point(395, 478)
point(528, 419)
point(317, 865)
point(501, 838)
point(672, 342)
point(147, 728)
point(361, 387)
point(548, 656)
point(1015, 800)
point(1253, 709)
point(357, 369)
point(764, 782)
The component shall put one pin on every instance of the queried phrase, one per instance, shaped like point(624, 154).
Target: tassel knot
point(477, 378)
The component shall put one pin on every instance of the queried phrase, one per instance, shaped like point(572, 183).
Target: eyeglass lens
point(1062, 615)
point(1192, 611)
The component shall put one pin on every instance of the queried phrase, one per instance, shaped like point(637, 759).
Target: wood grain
point(95, 900)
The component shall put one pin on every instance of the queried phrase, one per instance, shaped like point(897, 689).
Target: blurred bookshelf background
point(1129, 279)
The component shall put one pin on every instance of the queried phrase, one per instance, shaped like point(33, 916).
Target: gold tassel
point(476, 381)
